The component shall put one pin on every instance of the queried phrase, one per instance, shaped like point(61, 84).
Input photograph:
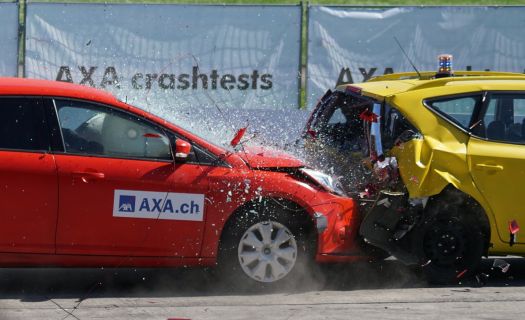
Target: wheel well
point(268, 207)
point(472, 209)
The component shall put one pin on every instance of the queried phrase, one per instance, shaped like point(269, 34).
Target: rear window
point(22, 124)
point(459, 110)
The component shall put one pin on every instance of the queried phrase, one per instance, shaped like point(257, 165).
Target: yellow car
point(437, 160)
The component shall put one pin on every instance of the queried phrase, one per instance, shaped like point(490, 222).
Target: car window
point(337, 122)
point(337, 117)
point(23, 125)
point(490, 114)
point(97, 130)
point(457, 109)
point(395, 127)
point(504, 118)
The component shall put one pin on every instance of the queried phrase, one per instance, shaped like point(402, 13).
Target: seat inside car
point(496, 130)
point(514, 132)
point(122, 136)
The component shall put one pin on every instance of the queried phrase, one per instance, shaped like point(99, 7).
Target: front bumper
point(337, 223)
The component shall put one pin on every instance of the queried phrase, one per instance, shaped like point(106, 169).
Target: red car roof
point(35, 87)
point(23, 86)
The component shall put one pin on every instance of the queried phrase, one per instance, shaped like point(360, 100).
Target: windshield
point(218, 133)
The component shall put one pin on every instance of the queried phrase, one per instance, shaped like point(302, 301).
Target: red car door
point(120, 191)
point(28, 178)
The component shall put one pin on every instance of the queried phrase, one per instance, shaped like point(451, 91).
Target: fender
point(341, 213)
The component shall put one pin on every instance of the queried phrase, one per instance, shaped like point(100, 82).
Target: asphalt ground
point(382, 291)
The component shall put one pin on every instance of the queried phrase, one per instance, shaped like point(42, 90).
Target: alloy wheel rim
point(445, 244)
point(267, 251)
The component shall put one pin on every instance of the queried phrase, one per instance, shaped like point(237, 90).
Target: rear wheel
point(449, 244)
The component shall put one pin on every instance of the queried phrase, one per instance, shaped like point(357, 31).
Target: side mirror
point(182, 150)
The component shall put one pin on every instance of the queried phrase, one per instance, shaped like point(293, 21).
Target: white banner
point(181, 62)
point(180, 55)
point(352, 44)
point(8, 39)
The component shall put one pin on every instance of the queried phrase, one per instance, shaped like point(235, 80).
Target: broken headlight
point(328, 182)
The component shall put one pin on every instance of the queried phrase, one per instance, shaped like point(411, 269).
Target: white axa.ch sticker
point(158, 205)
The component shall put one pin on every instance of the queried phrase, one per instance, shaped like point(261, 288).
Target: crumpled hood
point(260, 157)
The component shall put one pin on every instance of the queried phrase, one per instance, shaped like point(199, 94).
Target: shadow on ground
point(43, 284)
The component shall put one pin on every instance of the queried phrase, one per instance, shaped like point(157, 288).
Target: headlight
point(327, 182)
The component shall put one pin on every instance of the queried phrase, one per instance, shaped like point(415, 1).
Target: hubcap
point(267, 251)
point(445, 243)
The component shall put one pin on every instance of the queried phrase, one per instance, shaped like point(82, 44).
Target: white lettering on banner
point(158, 205)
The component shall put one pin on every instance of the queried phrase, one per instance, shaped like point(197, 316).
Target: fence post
point(21, 38)
point(303, 59)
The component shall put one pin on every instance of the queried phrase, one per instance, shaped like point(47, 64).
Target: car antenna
point(406, 55)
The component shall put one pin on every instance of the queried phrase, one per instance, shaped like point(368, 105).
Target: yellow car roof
point(389, 85)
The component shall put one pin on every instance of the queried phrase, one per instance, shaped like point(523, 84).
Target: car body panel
point(86, 225)
point(259, 157)
point(498, 169)
point(339, 238)
point(79, 192)
point(93, 261)
point(29, 203)
point(443, 153)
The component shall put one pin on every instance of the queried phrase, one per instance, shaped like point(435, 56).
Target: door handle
point(86, 176)
point(490, 167)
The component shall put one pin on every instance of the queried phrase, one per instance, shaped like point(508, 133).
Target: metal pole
point(21, 38)
point(303, 54)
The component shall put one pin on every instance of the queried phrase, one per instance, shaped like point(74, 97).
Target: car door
point(497, 159)
point(120, 191)
point(28, 178)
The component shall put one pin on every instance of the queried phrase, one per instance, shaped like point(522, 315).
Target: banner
point(200, 65)
point(8, 39)
point(348, 45)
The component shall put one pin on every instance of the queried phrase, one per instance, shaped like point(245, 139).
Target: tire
point(267, 249)
point(449, 243)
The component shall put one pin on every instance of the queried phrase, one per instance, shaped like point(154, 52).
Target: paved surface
point(387, 291)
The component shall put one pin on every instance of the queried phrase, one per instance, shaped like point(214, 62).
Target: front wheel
point(264, 251)
point(267, 251)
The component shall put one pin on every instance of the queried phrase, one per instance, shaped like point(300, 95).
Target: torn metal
point(353, 136)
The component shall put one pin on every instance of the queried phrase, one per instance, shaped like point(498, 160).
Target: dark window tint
point(22, 124)
point(457, 109)
point(504, 118)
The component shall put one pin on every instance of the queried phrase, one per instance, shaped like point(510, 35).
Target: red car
point(89, 181)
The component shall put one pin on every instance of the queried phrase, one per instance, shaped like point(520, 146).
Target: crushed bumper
point(337, 225)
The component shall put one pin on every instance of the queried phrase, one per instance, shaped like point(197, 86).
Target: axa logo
point(158, 205)
point(166, 206)
point(126, 204)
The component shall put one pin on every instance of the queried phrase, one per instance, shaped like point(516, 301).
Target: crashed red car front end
point(336, 215)
point(338, 242)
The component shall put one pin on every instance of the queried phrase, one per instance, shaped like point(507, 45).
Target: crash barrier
point(8, 39)
point(225, 67)
point(348, 44)
point(208, 68)
point(241, 57)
